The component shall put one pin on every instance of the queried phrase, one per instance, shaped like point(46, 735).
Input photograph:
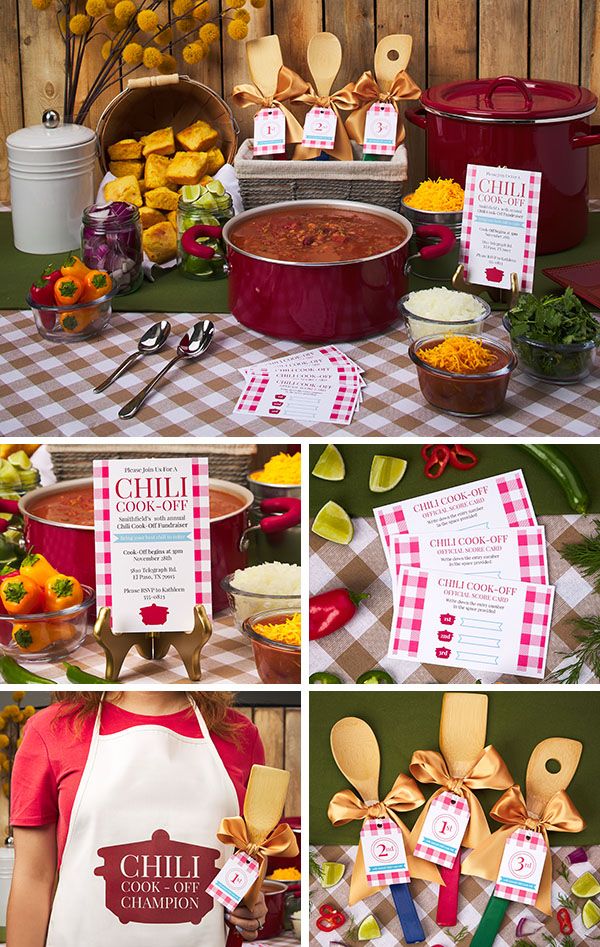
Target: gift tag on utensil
point(443, 829)
point(234, 880)
point(320, 126)
point(384, 853)
point(521, 868)
point(380, 129)
point(269, 132)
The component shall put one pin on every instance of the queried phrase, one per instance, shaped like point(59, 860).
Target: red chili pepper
point(51, 273)
point(331, 610)
point(42, 292)
point(330, 918)
point(564, 919)
point(437, 462)
point(462, 457)
point(427, 450)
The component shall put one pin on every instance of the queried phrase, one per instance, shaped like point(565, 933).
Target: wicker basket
point(225, 461)
point(370, 182)
point(158, 101)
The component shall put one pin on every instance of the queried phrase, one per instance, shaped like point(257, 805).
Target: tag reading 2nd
point(384, 853)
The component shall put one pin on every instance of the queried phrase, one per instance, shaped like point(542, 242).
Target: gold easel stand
point(153, 645)
point(508, 296)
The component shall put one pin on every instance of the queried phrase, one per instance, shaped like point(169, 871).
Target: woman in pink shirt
point(120, 796)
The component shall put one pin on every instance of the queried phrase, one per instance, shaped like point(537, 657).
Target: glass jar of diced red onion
point(111, 240)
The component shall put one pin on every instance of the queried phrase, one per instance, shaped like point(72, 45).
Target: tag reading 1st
point(320, 127)
point(521, 867)
point(269, 132)
point(235, 879)
point(443, 829)
point(380, 129)
point(384, 853)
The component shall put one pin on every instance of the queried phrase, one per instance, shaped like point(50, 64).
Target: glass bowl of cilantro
point(554, 337)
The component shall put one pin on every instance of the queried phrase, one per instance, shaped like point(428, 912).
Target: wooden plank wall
point(279, 729)
point(453, 39)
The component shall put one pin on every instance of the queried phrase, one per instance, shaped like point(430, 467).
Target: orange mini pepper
point(97, 283)
point(21, 595)
point(74, 266)
point(31, 637)
point(68, 290)
point(62, 591)
point(78, 320)
point(36, 567)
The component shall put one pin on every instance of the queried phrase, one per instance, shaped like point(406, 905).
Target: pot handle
point(508, 80)
point(189, 238)
point(9, 506)
point(285, 514)
point(417, 117)
point(432, 251)
point(586, 141)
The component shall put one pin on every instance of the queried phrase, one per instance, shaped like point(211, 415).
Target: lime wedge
point(369, 929)
point(216, 187)
point(206, 201)
point(590, 914)
point(386, 473)
point(330, 465)
point(9, 476)
point(586, 886)
point(333, 523)
point(332, 873)
point(191, 192)
point(20, 459)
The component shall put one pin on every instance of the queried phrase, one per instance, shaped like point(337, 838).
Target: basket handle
point(145, 82)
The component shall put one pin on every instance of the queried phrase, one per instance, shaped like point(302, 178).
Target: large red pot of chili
point(316, 271)
point(59, 523)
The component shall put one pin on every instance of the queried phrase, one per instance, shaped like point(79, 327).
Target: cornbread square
point(127, 149)
point(160, 142)
point(124, 189)
point(160, 242)
point(162, 198)
point(150, 216)
point(198, 137)
point(172, 218)
point(155, 173)
point(122, 168)
point(215, 160)
point(187, 167)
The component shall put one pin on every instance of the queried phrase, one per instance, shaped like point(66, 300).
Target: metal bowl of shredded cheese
point(279, 477)
point(259, 588)
point(439, 310)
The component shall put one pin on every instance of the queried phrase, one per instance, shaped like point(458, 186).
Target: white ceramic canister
point(7, 862)
point(51, 170)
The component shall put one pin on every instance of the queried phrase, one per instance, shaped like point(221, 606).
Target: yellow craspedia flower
point(106, 49)
point(258, 3)
point(132, 54)
point(147, 20)
point(96, 7)
point(28, 712)
point(11, 712)
point(18, 696)
point(4, 741)
point(80, 24)
point(201, 11)
point(209, 33)
point(125, 11)
point(242, 15)
point(40, 4)
point(168, 64)
point(237, 29)
point(194, 52)
point(181, 7)
point(185, 24)
point(152, 57)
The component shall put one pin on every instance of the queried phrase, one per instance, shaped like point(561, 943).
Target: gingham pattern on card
point(457, 806)
point(434, 855)
point(534, 638)
point(383, 875)
point(533, 563)
point(102, 534)
point(516, 500)
point(531, 226)
point(201, 502)
point(523, 840)
point(450, 802)
point(270, 147)
point(390, 520)
point(326, 115)
point(372, 144)
point(408, 619)
point(219, 888)
point(255, 388)
point(467, 217)
point(406, 551)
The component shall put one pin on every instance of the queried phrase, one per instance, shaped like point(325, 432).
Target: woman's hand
point(248, 922)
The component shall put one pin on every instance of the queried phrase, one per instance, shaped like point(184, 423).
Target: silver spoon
point(152, 341)
point(193, 345)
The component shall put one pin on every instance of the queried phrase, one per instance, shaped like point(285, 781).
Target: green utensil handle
point(489, 925)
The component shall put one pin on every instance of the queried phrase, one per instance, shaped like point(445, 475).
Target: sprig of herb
point(567, 902)
point(523, 942)
point(460, 935)
point(552, 941)
point(587, 653)
point(314, 868)
point(585, 554)
point(562, 871)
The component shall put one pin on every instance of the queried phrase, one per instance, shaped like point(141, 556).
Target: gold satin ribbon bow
point(366, 92)
point(289, 86)
point(404, 795)
point(489, 772)
point(280, 841)
point(342, 149)
point(559, 815)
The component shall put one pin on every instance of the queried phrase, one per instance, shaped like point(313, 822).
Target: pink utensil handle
point(447, 909)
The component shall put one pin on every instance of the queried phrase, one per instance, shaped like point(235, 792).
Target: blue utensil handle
point(489, 925)
point(407, 914)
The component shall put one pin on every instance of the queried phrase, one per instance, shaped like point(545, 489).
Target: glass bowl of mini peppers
point(71, 302)
point(43, 613)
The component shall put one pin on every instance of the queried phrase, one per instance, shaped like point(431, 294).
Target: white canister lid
point(50, 135)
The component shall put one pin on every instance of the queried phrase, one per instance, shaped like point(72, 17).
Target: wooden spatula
point(463, 726)
point(356, 751)
point(264, 62)
point(541, 785)
point(263, 807)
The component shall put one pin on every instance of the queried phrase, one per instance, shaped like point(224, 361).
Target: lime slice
point(206, 201)
point(333, 523)
point(191, 192)
point(586, 886)
point(330, 465)
point(590, 914)
point(386, 473)
point(369, 929)
point(216, 187)
point(376, 676)
point(9, 476)
point(332, 873)
point(20, 459)
point(324, 677)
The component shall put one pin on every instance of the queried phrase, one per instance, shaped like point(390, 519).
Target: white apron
point(141, 847)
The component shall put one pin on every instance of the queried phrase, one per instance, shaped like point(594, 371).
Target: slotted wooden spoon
point(463, 726)
point(387, 69)
point(540, 786)
point(356, 752)
point(263, 807)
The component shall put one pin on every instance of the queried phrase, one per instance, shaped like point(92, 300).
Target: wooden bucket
point(158, 101)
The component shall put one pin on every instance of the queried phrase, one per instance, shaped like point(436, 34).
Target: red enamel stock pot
point(322, 302)
point(530, 124)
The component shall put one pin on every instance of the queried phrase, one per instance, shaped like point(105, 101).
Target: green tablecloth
point(354, 495)
point(407, 721)
point(174, 293)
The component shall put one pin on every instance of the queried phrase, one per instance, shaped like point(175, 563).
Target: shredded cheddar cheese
point(287, 631)
point(459, 354)
point(285, 874)
point(443, 195)
point(281, 469)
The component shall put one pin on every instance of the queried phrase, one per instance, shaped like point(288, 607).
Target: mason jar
point(189, 215)
point(111, 240)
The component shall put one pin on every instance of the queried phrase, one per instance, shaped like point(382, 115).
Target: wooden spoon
point(264, 62)
point(324, 57)
point(387, 69)
point(463, 727)
point(356, 751)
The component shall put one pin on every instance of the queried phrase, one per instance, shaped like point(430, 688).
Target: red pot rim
point(510, 99)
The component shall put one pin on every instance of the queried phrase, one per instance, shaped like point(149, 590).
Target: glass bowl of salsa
point(472, 384)
point(46, 636)
point(275, 639)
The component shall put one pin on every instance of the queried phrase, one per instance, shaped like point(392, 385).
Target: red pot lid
point(507, 98)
